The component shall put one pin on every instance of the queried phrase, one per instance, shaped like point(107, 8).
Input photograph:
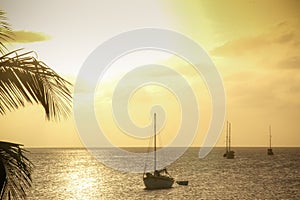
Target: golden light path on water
point(79, 182)
point(69, 174)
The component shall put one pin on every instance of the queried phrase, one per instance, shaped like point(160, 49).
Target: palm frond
point(6, 33)
point(25, 79)
point(17, 168)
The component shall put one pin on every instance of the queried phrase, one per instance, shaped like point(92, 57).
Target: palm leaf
point(6, 33)
point(25, 79)
point(17, 169)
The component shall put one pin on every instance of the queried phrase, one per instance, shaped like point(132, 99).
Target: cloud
point(252, 44)
point(285, 38)
point(241, 46)
point(23, 36)
point(292, 62)
point(261, 75)
point(276, 48)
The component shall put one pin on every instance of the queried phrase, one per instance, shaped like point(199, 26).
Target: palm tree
point(23, 78)
point(15, 171)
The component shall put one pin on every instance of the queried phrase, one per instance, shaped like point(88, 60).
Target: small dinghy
point(182, 182)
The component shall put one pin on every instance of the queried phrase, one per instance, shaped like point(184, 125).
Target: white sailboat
point(159, 179)
point(270, 151)
point(229, 154)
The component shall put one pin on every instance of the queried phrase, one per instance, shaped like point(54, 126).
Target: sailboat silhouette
point(159, 179)
point(229, 154)
point(270, 151)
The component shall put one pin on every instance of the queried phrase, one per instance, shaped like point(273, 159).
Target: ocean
point(75, 174)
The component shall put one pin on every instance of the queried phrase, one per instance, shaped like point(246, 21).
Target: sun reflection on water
point(70, 174)
point(83, 177)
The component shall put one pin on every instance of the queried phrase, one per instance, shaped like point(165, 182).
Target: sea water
point(76, 174)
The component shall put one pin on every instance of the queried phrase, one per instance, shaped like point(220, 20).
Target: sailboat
point(270, 151)
point(159, 179)
point(229, 154)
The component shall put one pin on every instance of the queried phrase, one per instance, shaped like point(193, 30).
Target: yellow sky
point(254, 44)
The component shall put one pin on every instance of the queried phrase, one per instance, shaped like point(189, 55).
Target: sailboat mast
point(229, 135)
point(270, 135)
point(154, 141)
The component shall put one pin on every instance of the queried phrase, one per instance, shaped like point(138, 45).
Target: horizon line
point(81, 147)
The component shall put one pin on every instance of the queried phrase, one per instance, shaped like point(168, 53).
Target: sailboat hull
point(270, 152)
point(158, 182)
point(229, 155)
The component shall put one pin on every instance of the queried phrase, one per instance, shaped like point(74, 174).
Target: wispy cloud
point(240, 47)
point(291, 62)
point(23, 36)
point(278, 47)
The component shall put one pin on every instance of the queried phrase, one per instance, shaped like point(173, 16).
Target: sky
point(254, 45)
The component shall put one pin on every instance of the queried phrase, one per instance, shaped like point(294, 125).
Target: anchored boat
point(229, 154)
point(270, 151)
point(159, 179)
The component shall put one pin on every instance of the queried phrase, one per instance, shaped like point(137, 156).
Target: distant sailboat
point(270, 151)
point(159, 179)
point(229, 154)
